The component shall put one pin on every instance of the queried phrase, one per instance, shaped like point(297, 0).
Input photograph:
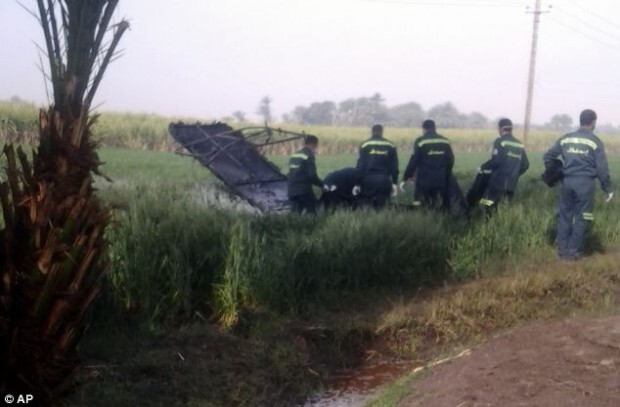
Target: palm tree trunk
point(52, 246)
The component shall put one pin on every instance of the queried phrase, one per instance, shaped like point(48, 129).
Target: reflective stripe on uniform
point(300, 155)
point(579, 140)
point(294, 166)
point(486, 172)
point(417, 203)
point(486, 202)
point(513, 155)
point(377, 143)
point(514, 144)
point(588, 216)
point(433, 141)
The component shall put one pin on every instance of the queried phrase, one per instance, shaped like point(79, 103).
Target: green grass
point(182, 245)
point(182, 249)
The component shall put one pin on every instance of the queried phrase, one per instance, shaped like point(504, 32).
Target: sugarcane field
point(269, 203)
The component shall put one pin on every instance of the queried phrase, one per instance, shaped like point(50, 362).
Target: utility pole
point(532, 73)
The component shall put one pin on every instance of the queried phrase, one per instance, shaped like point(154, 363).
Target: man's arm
point(311, 172)
point(450, 158)
point(394, 170)
point(361, 163)
point(602, 169)
point(413, 162)
point(552, 154)
point(525, 163)
point(496, 157)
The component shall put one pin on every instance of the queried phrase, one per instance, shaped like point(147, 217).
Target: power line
point(589, 24)
point(578, 31)
point(605, 19)
point(448, 3)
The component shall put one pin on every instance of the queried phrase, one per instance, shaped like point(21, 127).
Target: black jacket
point(583, 154)
point(432, 159)
point(344, 180)
point(508, 162)
point(302, 173)
point(378, 156)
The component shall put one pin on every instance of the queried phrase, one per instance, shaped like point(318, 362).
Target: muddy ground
point(558, 363)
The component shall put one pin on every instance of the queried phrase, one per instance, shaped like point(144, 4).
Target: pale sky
point(208, 58)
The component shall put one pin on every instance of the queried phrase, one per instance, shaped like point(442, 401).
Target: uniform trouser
point(431, 197)
point(493, 197)
point(575, 215)
point(376, 190)
point(303, 203)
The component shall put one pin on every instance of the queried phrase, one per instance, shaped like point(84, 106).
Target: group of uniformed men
point(576, 159)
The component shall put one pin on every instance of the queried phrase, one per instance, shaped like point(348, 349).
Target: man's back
point(378, 156)
point(432, 160)
point(302, 173)
point(583, 154)
point(508, 162)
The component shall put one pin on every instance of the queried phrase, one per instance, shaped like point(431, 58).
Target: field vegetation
point(200, 282)
point(18, 121)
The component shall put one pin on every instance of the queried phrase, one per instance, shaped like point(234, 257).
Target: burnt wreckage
point(236, 158)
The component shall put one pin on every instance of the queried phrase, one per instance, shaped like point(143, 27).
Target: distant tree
point(287, 118)
point(363, 111)
point(406, 115)
point(320, 113)
point(264, 109)
point(239, 115)
point(298, 114)
point(560, 122)
point(447, 115)
point(16, 99)
point(476, 120)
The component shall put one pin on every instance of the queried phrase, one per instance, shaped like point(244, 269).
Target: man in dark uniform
point(302, 176)
point(338, 189)
point(583, 155)
point(508, 162)
point(377, 168)
point(431, 164)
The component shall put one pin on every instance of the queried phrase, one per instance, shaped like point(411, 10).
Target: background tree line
point(367, 110)
point(364, 111)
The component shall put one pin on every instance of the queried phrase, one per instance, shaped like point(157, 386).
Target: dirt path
point(558, 363)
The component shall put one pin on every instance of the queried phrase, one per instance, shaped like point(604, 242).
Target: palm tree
point(52, 246)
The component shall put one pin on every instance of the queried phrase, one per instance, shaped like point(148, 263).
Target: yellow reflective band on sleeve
point(433, 141)
point(588, 216)
point(579, 140)
point(293, 166)
point(487, 172)
point(513, 155)
point(300, 155)
point(377, 143)
point(514, 144)
point(486, 202)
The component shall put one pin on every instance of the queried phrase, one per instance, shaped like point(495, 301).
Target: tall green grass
point(173, 256)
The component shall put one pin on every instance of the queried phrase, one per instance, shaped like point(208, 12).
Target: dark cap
point(505, 124)
point(428, 125)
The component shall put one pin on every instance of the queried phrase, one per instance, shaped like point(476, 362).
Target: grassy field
point(192, 265)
